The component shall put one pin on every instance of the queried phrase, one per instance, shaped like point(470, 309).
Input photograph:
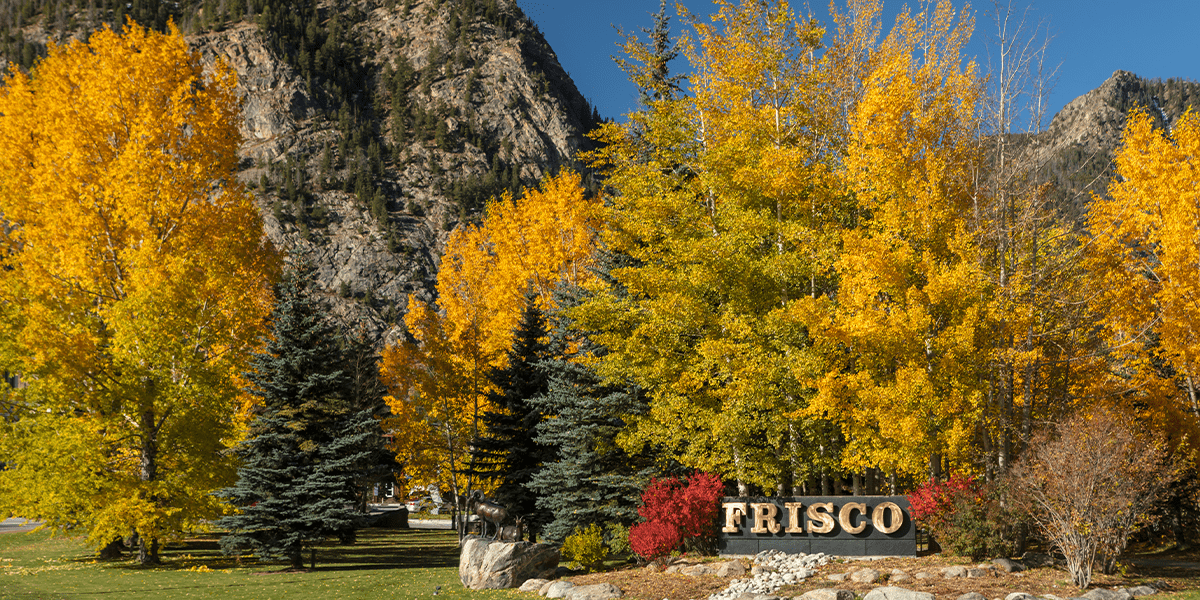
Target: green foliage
point(618, 539)
point(313, 446)
point(586, 547)
point(508, 452)
point(593, 480)
point(981, 527)
point(967, 517)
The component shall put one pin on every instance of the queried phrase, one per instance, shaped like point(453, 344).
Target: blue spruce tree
point(592, 480)
point(507, 452)
point(308, 443)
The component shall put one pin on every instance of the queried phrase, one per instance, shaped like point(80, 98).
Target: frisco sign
point(836, 525)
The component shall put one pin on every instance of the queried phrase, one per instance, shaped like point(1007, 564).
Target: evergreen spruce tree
point(593, 480)
point(296, 486)
point(507, 451)
point(366, 392)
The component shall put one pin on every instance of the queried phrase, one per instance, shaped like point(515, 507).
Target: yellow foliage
point(728, 212)
point(136, 278)
point(909, 319)
point(797, 260)
point(1144, 253)
point(438, 381)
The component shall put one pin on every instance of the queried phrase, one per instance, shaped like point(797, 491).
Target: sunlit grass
point(383, 564)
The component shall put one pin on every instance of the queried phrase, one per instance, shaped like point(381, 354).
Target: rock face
point(499, 108)
point(1077, 147)
point(485, 564)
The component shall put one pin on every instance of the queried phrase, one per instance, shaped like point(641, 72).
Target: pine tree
point(648, 63)
point(507, 451)
point(593, 480)
point(296, 486)
point(365, 395)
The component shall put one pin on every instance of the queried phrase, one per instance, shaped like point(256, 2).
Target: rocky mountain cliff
point(1077, 148)
point(373, 129)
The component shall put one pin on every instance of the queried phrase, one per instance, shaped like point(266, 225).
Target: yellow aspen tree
point(138, 276)
point(1042, 343)
point(439, 379)
point(908, 320)
point(1143, 252)
point(726, 211)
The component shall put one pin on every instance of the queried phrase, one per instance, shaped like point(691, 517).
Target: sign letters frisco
point(836, 525)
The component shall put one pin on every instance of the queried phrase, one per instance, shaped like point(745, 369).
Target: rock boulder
point(896, 593)
point(828, 594)
point(485, 564)
point(600, 591)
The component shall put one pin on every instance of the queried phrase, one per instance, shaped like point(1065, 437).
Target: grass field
point(383, 564)
point(387, 564)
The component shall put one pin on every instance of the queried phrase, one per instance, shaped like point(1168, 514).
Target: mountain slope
point(1077, 149)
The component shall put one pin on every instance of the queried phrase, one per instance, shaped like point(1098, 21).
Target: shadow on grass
point(375, 549)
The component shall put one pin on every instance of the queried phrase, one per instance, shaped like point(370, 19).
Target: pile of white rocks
point(772, 570)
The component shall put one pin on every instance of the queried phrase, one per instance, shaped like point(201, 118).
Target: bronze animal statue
point(488, 512)
point(514, 532)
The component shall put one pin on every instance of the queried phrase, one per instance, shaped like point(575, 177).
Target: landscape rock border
point(773, 569)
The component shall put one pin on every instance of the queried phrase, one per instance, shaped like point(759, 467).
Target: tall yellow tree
point(1144, 253)
point(727, 211)
point(137, 276)
point(438, 379)
point(908, 320)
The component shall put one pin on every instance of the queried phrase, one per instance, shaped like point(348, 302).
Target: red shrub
point(935, 498)
point(966, 517)
point(688, 509)
point(653, 539)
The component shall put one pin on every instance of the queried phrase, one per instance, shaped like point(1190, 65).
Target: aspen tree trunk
point(1191, 390)
point(147, 543)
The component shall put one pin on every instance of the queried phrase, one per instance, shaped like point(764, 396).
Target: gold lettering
point(819, 519)
point(764, 517)
point(794, 525)
point(897, 517)
point(846, 520)
point(734, 511)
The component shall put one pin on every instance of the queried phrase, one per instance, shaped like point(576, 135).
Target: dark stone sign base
point(870, 541)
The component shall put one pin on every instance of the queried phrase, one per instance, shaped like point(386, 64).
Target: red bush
point(935, 498)
point(966, 517)
point(654, 539)
point(677, 512)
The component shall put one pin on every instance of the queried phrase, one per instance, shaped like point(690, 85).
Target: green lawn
point(383, 564)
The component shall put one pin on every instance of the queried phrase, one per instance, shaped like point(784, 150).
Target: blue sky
point(1091, 39)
